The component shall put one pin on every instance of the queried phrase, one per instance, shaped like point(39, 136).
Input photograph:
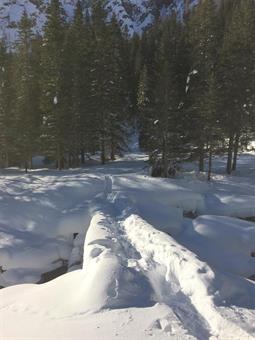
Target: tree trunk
point(186, 8)
point(69, 160)
point(112, 151)
point(230, 154)
point(210, 163)
point(164, 158)
point(82, 154)
point(201, 158)
point(75, 159)
point(102, 151)
point(59, 160)
point(236, 146)
point(6, 160)
point(26, 166)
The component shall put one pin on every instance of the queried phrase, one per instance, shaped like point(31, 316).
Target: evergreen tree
point(237, 77)
point(134, 46)
point(161, 94)
point(118, 89)
point(6, 105)
point(56, 114)
point(204, 38)
point(109, 89)
point(78, 51)
point(169, 92)
point(189, 85)
point(27, 120)
point(147, 121)
point(212, 127)
point(146, 108)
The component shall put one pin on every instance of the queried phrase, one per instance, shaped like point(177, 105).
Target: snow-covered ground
point(138, 268)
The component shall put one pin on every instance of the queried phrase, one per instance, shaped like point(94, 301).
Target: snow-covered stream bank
point(136, 280)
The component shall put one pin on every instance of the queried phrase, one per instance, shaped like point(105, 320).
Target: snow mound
point(224, 242)
point(230, 205)
point(24, 256)
point(160, 202)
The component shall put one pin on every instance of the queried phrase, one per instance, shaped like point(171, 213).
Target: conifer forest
point(187, 84)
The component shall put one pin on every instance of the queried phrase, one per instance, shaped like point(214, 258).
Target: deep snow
point(138, 267)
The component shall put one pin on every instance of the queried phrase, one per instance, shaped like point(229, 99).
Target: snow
point(38, 216)
point(134, 16)
point(225, 243)
point(138, 267)
point(186, 280)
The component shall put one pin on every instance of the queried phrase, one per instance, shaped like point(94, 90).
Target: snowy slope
point(134, 16)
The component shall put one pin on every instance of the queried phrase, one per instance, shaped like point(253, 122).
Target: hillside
point(133, 16)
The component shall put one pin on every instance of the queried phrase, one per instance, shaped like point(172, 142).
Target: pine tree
point(169, 92)
point(237, 77)
point(99, 78)
point(118, 89)
point(146, 113)
point(109, 90)
point(212, 126)
point(147, 120)
point(27, 118)
point(134, 47)
point(78, 52)
point(161, 93)
point(6, 105)
point(204, 39)
point(56, 114)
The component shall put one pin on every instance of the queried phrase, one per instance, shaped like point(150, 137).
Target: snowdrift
point(226, 243)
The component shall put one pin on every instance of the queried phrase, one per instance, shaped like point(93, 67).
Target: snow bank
point(24, 256)
point(233, 205)
point(169, 192)
point(224, 242)
point(39, 213)
point(160, 202)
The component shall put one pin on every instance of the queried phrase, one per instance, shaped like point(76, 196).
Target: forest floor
point(144, 257)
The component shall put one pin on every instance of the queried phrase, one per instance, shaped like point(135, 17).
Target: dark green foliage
point(237, 67)
point(189, 87)
point(6, 105)
point(54, 97)
point(26, 106)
